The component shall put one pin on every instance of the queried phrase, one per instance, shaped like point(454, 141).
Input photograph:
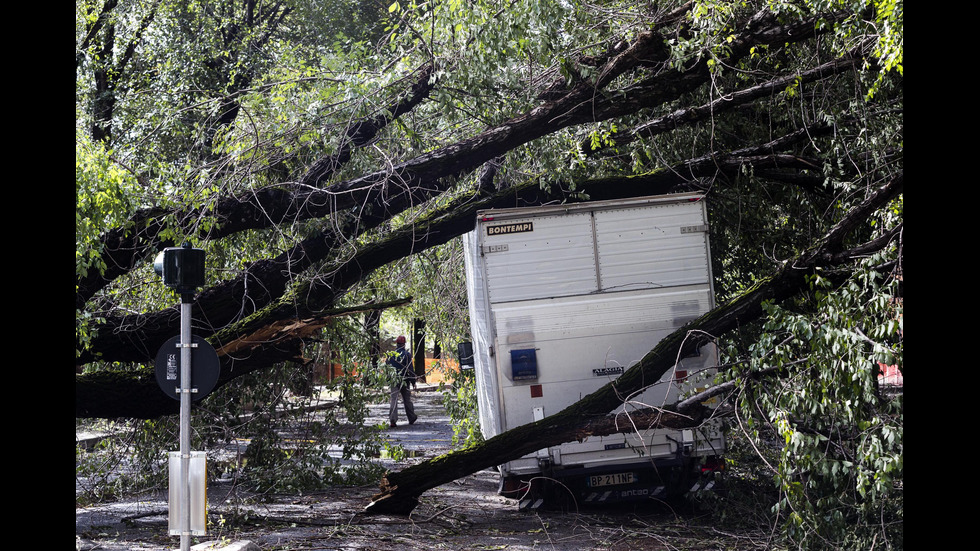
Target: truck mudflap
point(633, 493)
point(641, 492)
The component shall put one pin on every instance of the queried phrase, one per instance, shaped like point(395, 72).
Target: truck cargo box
point(563, 299)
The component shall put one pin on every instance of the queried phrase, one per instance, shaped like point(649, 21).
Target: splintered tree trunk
point(110, 394)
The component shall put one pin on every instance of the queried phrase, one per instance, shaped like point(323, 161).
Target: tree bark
point(372, 326)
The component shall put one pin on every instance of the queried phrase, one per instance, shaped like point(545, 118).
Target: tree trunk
point(372, 325)
point(418, 349)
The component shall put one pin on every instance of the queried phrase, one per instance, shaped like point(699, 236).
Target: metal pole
point(185, 422)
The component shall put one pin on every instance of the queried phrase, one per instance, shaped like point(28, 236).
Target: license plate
point(611, 479)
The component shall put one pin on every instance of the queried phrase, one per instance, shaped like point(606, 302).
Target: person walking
point(401, 360)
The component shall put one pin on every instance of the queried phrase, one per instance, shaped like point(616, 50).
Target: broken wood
point(136, 394)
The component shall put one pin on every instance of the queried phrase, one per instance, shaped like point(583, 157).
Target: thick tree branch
point(94, 27)
point(362, 132)
point(136, 394)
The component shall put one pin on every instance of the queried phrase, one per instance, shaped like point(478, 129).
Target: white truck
point(562, 300)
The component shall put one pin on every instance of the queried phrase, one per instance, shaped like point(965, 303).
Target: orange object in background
point(436, 371)
point(443, 373)
point(324, 373)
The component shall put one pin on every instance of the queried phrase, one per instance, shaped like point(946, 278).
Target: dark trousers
point(406, 395)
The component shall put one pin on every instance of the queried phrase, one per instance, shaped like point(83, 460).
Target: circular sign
point(205, 368)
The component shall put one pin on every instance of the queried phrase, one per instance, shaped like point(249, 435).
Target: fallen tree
point(325, 154)
point(259, 341)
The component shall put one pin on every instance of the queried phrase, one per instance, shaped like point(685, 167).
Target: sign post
point(183, 270)
point(185, 420)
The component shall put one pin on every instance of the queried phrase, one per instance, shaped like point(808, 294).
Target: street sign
point(205, 368)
